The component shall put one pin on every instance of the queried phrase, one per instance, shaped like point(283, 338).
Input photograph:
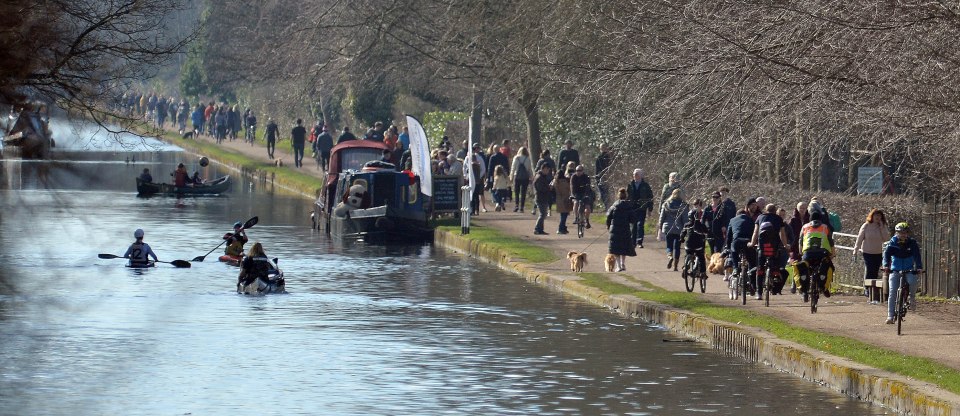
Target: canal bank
point(864, 383)
point(885, 388)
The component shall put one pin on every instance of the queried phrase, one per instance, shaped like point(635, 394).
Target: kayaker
point(255, 266)
point(236, 240)
point(145, 176)
point(180, 176)
point(196, 179)
point(139, 251)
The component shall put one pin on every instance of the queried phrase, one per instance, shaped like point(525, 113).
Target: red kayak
point(231, 260)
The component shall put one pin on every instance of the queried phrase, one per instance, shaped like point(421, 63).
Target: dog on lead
point(715, 265)
point(577, 261)
point(278, 162)
point(188, 135)
point(610, 263)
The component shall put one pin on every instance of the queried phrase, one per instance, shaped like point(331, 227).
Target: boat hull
point(382, 225)
point(274, 283)
point(214, 187)
point(230, 260)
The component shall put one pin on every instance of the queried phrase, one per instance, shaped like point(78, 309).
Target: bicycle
point(251, 134)
point(581, 215)
point(691, 272)
point(903, 298)
point(817, 279)
point(771, 279)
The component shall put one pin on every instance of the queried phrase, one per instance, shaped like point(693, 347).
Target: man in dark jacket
point(603, 164)
point(298, 135)
point(641, 195)
point(568, 154)
point(541, 186)
point(739, 232)
point(322, 147)
point(346, 136)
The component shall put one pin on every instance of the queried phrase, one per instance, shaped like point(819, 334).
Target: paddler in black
point(255, 266)
point(236, 240)
point(139, 251)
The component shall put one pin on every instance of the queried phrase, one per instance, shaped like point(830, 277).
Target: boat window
point(355, 158)
point(412, 192)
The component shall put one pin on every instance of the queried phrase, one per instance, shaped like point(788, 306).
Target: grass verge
point(914, 367)
point(514, 246)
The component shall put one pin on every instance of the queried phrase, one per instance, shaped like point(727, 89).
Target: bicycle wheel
point(701, 275)
point(581, 225)
point(688, 275)
point(902, 295)
point(814, 293)
point(767, 287)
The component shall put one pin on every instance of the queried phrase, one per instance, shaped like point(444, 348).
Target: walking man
point(641, 195)
point(272, 132)
point(298, 135)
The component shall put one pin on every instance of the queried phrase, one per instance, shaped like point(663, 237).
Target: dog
point(610, 263)
point(715, 265)
point(188, 135)
point(577, 261)
point(278, 162)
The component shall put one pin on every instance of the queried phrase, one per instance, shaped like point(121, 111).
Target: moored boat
point(368, 200)
point(214, 187)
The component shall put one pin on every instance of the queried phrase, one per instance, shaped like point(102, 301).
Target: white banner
point(420, 155)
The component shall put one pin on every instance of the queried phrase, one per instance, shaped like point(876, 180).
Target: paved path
point(933, 331)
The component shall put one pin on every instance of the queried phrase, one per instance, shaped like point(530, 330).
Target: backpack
point(522, 173)
point(769, 242)
point(835, 221)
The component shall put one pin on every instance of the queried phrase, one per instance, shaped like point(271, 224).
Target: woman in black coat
point(619, 219)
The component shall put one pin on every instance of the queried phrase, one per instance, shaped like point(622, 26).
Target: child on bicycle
point(901, 258)
point(501, 187)
point(694, 236)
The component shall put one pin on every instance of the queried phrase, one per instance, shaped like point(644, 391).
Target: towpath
point(933, 331)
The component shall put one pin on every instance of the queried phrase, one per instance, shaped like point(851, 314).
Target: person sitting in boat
point(180, 176)
point(196, 179)
point(139, 252)
point(146, 177)
point(236, 240)
point(255, 266)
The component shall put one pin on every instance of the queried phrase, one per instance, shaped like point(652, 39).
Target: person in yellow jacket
point(816, 246)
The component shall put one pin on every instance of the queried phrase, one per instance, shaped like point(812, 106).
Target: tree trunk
point(476, 117)
point(531, 109)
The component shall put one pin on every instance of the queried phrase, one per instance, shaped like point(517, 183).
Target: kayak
point(231, 260)
point(274, 283)
point(146, 265)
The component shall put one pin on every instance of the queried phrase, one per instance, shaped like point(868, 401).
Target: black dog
point(188, 135)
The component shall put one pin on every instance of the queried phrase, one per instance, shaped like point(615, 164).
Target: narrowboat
point(369, 200)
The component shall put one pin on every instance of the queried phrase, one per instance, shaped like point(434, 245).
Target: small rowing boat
point(214, 187)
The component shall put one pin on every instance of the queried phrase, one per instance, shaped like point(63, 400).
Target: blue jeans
point(638, 227)
point(895, 286)
point(542, 211)
point(673, 246)
point(563, 221)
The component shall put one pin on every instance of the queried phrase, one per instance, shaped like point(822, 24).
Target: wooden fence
point(939, 238)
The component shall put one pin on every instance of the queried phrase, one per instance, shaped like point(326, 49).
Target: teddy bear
point(355, 198)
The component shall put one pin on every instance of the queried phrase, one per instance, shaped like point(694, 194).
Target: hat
point(751, 201)
point(138, 233)
point(237, 224)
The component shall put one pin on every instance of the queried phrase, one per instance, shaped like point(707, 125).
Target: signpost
point(869, 180)
point(446, 193)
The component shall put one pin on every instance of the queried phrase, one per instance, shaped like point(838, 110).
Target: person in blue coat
point(901, 258)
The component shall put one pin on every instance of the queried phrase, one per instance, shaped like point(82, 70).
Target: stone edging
point(864, 383)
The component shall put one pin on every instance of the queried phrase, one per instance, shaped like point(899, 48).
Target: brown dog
point(278, 162)
point(715, 266)
point(610, 263)
point(577, 261)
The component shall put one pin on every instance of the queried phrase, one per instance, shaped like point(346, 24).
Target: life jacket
point(137, 254)
point(260, 267)
point(815, 235)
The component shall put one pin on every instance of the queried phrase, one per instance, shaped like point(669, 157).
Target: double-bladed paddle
point(182, 264)
point(250, 223)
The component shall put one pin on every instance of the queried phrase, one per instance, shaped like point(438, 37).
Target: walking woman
point(873, 233)
point(522, 172)
point(673, 215)
point(621, 216)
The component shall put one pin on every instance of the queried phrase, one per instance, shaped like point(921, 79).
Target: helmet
point(237, 224)
point(902, 227)
point(138, 233)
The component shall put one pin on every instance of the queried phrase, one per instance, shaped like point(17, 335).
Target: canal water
point(364, 330)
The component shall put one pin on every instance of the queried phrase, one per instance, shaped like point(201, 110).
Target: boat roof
point(335, 168)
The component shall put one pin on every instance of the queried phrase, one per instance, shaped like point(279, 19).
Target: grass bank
point(914, 367)
point(517, 248)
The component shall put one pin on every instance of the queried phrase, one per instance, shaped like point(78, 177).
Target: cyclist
point(901, 255)
point(581, 193)
point(816, 243)
point(769, 250)
point(251, 123)
point(739, 232)
point(694, 235)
